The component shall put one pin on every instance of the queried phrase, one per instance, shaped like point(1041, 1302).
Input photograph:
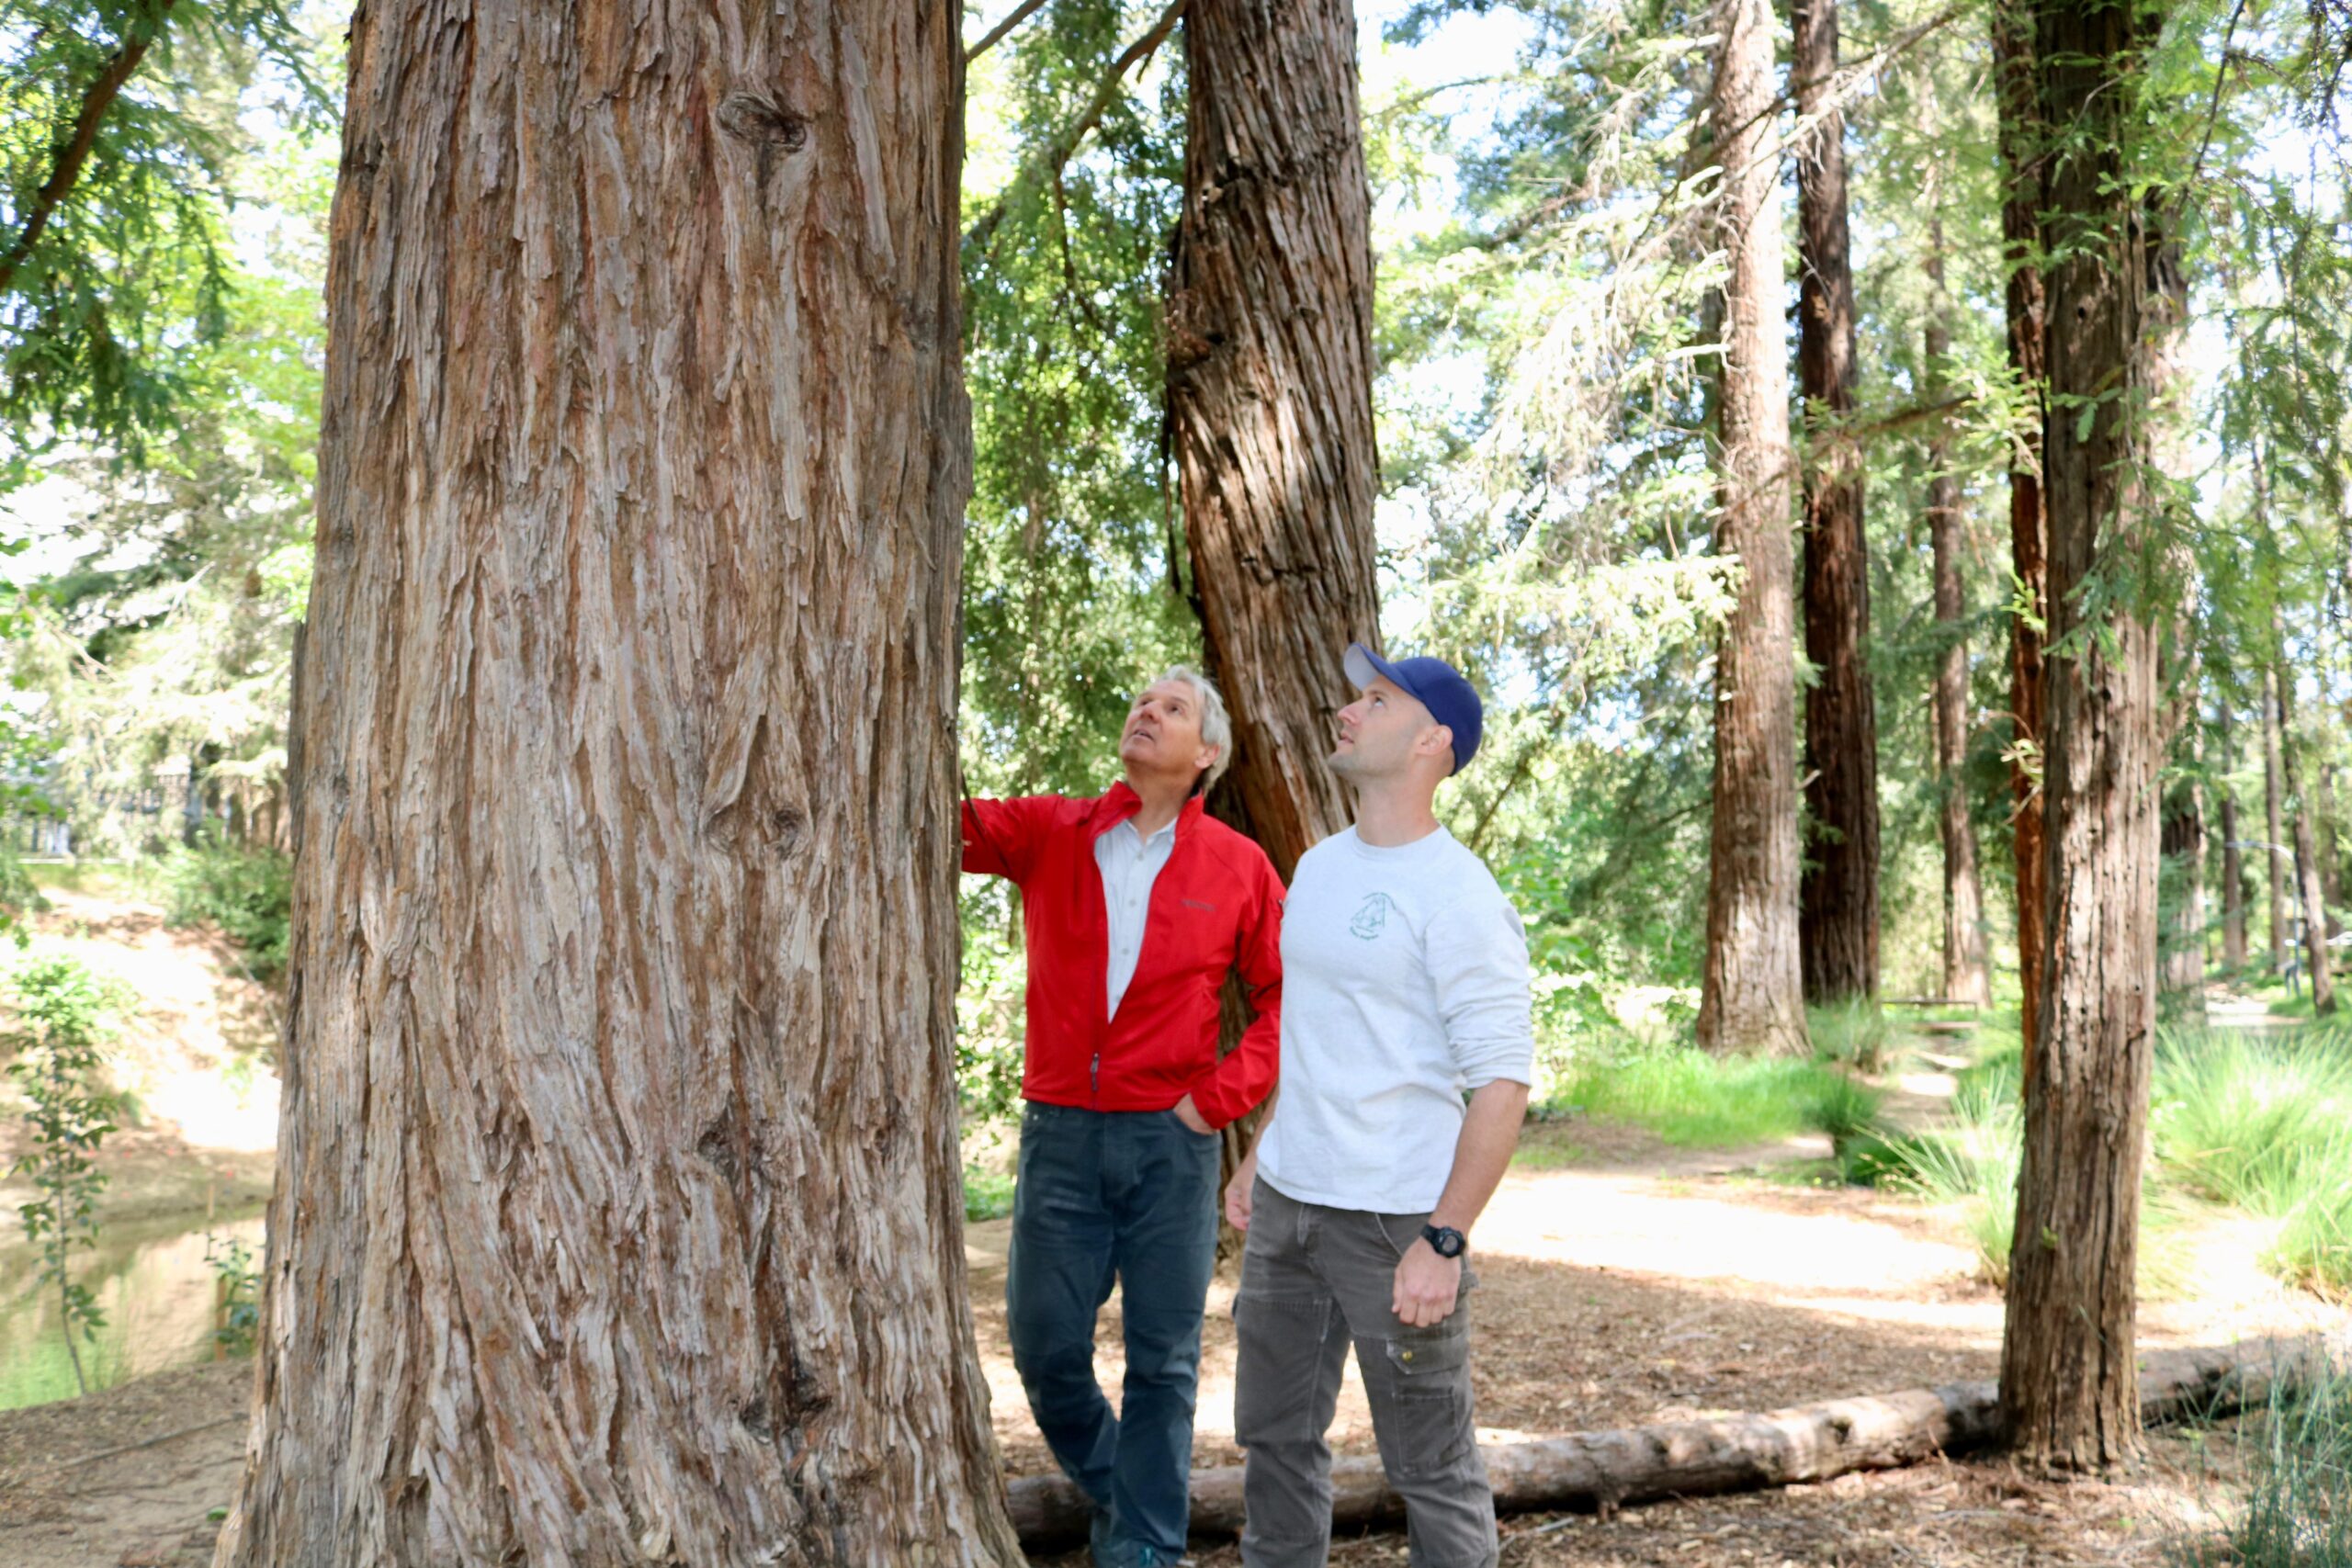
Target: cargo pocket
point(1427, 1394)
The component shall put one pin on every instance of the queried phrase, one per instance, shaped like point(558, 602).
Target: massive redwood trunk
point(2069, 1380)
point(1965, 977)
point(1751, 994)
point(616, 1214)
point(1269, 394)
point(2021, 152)
point(1837, 904)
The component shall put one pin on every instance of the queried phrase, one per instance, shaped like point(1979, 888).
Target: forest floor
point(1619, 1282)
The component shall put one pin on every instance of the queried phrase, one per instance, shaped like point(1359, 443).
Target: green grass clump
point(1695, 1100)
point(2297, 1510)
point(2314, 1247)
point(1853, 1034)
point(2261, 1123)
point(1970, 1163)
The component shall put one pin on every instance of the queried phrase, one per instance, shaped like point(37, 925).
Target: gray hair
point(1216, 725)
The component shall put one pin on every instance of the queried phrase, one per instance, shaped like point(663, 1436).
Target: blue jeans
point(1130, 1194)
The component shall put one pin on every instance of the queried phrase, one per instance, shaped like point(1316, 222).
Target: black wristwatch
point(1444, 1240)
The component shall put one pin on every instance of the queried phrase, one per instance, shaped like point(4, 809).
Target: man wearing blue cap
point(1405, 979)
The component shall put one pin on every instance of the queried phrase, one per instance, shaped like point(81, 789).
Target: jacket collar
point(1121, 802)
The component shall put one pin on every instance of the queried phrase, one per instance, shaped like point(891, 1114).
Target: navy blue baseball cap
point(1439, 687)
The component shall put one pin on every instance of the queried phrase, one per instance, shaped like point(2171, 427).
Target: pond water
point(153, 1282)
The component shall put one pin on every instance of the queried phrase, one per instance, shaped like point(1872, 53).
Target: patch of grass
point(2292, 1006)
point(1547, 1153)
point(2314, 1247)
point(1695, 1100)
point(987, 1194)
point(2261, 1123)
point(1853, 1034)
point(2298, 1511)
point(1970, 1163)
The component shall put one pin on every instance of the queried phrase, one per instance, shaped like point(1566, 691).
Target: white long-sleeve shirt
point(1403, 983)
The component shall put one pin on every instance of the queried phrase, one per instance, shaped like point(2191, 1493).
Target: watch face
point(1446, 1241)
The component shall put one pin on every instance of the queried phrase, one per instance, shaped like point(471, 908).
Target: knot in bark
point(764, 124)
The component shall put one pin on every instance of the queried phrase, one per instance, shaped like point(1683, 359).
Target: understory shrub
point(246, 892)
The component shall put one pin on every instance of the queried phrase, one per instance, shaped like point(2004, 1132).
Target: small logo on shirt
point(1373, 918)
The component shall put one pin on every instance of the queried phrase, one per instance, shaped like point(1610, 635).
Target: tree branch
point(1021, 13)
point(1056, 154)
point(74, 150)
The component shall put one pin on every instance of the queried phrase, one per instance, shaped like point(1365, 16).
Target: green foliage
point(1693, 1099)
point(247, 892)
point(108, 314)
point(987, 1194)
point(63, 1021)
point(1853, 1033)
point(236, 1293)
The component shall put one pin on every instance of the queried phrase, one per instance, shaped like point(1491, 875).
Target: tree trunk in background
point(1965, 978)
point(2295, 779)
point(1270, 373)
point(2232, 866)
point(2020, 139)
point(2277, 864)
point(2331, 867)
point(2069, 1382)
point(1751, 997)
point(1269, 395)
point(2182, 844)
point(617, 1212)
point(1838, 919)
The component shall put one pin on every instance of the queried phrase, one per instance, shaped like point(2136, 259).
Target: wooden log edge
point(1597, 1472)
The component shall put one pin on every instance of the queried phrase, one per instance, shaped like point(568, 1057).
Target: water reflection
point(154, 1285)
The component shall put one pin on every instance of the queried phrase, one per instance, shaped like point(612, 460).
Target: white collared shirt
point(1130, 864)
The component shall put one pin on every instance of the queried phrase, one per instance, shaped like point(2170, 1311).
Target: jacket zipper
point(1095, 1081)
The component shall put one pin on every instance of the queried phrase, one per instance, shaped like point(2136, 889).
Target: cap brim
point(1364, 666)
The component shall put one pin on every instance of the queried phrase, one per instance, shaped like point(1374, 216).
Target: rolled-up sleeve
point(1478, 958)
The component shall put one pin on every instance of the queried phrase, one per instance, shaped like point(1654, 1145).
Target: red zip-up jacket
point(1216, 908)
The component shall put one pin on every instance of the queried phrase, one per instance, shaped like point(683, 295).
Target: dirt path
point(1637, 1283)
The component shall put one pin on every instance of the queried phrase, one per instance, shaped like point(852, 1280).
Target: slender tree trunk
point(2296, 779)
point(2331, 864)
point(2275, 855)
point(1838, 919)
point(1269, 395)
point(2069, 1382)
point(2020, 139)
point(1965, 978)
point(1269, 407)
point(1751, 997)
point(616, 1214)
point(2183, 846)
point(2232, 866)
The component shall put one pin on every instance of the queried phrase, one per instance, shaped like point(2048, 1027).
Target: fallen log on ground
point(1596, 1472)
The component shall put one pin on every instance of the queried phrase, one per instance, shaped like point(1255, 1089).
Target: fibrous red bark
point(2069, 1380)
point(1837, 902)
point(617, 1214)
point(1269, 395)
point(2020, 138)
point(1751, 996)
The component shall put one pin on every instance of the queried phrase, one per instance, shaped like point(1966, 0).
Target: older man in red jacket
point(1136, 908)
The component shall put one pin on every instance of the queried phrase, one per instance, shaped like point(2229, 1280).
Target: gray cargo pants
point(1314, 1279)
